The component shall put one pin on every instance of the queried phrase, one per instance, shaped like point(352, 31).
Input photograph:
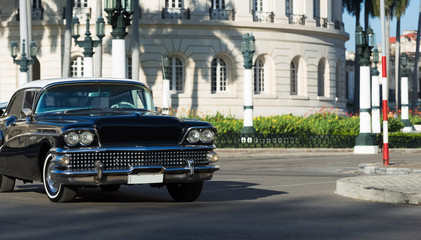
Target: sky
point(408, 22)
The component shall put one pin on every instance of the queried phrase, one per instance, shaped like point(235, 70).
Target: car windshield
point(94, 96)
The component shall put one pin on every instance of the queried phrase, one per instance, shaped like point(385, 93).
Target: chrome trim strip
point(210, 168)
point(136, 148)
point(123, 179)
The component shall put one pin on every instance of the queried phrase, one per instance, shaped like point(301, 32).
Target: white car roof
point(45, 82)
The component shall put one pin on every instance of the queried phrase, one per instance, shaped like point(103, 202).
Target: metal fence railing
point(284, 141)
point(405, 141)
point(237, 140)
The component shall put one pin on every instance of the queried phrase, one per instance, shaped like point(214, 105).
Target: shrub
point(318, 123)
point(394, 124)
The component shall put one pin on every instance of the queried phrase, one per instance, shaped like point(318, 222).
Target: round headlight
point(193, 136)
point(86, 137)
point(71, 138)
point(207, 136)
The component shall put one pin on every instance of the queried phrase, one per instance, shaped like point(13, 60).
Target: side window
point(16, 105)
point(29, 98)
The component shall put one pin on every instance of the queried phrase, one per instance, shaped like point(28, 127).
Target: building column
point(119, 58)
point(24, 36)
point(405, 106)
point(365, 143)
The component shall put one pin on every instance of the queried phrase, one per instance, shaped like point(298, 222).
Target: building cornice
point(245, 26)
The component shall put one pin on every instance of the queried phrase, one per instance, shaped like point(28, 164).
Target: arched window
point(298, 84)
point(173, 3)
point(37, 11)
point(218, 4)
point(316, 9)
point(218, 75)
point(36, 70)
point(289, 7)
point(259, 76)
point(293, 79)
point(77, 67)
point(176, 74)
point(80, 8)
point(258, 5)
point(80, 3)
point(321, 78)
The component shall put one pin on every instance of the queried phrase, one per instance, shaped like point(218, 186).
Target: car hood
point(124, 126)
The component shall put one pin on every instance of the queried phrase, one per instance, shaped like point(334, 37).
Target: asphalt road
point(254, 196)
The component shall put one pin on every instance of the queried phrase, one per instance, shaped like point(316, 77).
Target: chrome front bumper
point(100, 174)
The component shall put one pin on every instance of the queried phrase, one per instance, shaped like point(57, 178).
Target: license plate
point(146, 178)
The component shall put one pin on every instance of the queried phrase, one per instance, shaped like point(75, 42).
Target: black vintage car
point(103, 133)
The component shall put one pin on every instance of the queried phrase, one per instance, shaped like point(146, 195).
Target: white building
point(299, 63)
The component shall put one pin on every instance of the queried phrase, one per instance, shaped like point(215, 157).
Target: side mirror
point(27, 112)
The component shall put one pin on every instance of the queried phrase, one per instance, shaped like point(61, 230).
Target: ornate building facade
point(299, 62)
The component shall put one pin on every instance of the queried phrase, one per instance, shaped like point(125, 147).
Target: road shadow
point(220, 191)
point(213, 191)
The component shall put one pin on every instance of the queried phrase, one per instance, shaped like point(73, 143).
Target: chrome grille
point(115, 160)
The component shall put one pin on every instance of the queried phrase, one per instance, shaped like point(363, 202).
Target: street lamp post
point(88, 44)
point(24, 62)
point(119, 13)
point(404, 95)
point(375, 94)
point(365, 141)
point(165, 85)
point(248, 48)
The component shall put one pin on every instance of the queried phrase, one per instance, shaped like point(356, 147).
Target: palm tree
point(353, 7)
point(368, 11)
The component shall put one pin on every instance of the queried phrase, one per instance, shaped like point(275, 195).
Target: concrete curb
point(370, 168)
point(399, 189)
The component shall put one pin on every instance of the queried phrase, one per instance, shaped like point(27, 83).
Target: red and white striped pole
point(385, 86)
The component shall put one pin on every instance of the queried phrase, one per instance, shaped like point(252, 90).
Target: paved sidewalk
point(400, 183)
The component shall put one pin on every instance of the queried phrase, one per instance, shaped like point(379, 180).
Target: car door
point(16, 132)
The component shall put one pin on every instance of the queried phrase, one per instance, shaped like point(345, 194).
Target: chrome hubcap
point(51, 182)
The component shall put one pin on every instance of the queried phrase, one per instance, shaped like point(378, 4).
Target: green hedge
point(325, 123)
point(317, 124)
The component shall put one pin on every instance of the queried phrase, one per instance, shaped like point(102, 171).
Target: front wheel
point(55, 191)
point(7, 184)
point(185, 192)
